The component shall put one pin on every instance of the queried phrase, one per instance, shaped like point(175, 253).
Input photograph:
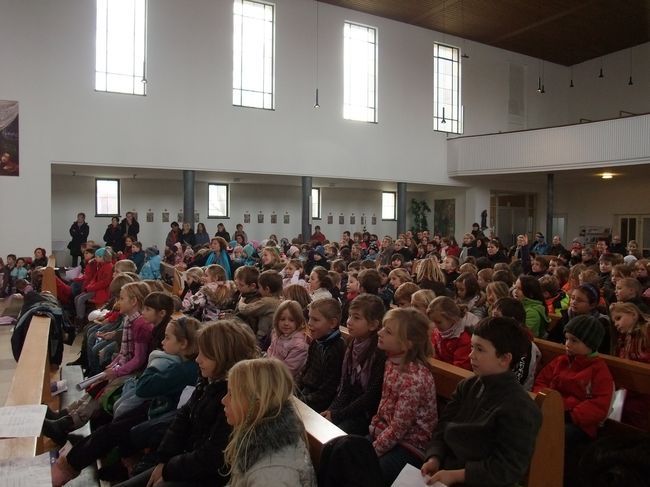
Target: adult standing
point(221, 232)
point(240, 231)
point(79, 231)
point(113, 235)
point(130, 227)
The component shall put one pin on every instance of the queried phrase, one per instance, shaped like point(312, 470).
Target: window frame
point(119, 198)
point(394, 193)
point(227, 215)
point(143, 80)
point(437, 113)
point(273, 63)
point(376, 73)
point(311, 196)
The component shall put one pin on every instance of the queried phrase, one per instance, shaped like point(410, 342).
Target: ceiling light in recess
point(607, 175)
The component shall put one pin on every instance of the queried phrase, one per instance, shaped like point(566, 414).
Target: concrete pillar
point(188, 197)
point(401, 208)
point(550, 190)
point(305, 226)
point(477, 199)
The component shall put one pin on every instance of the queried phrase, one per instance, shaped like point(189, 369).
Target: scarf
point(357, 363)
point(127, 347)
point(453, 332)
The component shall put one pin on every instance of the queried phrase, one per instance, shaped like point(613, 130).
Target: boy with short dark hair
point(486, 434)
point(252, 308)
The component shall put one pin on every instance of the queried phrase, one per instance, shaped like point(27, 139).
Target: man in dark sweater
point(486, 434)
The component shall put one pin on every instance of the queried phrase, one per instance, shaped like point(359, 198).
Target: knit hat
point(151, 251)
point(629, 259)
point(320, 250)
point(100, 252)
point(588, 329)
point(293, 251)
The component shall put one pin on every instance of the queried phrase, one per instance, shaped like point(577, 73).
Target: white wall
point(597, 98)
point(187, 120)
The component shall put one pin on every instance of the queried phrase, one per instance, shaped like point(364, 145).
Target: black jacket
point(79, 236)
point(130, 230)
point(113, 238)
point(489, 428)
point(192, 449)
point(322, 373)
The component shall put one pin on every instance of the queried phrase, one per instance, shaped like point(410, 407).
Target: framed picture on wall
point(363, 219)
point(353, 219)
point(374, 220)
point(286, 218)
point(9, 160)
point(341, 219)
point(247, 217)
point(274, 218)
point(150, 217)
point(330, 219)
point(165, 217)
point(180, 218)
point(196, 217)
point(260, 218)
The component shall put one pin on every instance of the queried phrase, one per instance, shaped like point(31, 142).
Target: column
point(401, 208)
point(188, 197)
point(305, 226)
point(550, 189)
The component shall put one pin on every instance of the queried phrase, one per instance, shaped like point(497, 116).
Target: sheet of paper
point(21, 421)
point(26, 472)
point(411, 477)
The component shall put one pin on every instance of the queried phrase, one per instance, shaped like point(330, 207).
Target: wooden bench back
point(547, 463)
point(170, 273)
point(30, 385)
point(319, 430)
point(49, 276)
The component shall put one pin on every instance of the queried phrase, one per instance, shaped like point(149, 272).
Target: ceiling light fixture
point(607, 175)
point(317, 104)
point(630, 82)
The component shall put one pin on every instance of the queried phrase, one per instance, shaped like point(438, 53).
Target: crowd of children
point(478, 306)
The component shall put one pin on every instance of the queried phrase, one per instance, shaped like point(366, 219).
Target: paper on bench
point(411, 477)
point(26, 472)
point(22, 421)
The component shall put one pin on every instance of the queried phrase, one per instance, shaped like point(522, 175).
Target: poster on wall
point(247, 217)
point(374, 220)
point(260, 218)
point(180, 217)
point(330, 219)
point(274, 218)
point(149, 216)
point(353, 219)
point(341, 219)
point(9, 157)
point(591, 233)
point(165, 217)
point(444, 217)
point(286, 218)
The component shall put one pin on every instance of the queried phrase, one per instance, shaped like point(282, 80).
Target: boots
point(54, 415)
point(58, 429)
point(62, 472)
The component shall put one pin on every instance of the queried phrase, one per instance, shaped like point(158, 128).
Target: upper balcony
point(619, 141)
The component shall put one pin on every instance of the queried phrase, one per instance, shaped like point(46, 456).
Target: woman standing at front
point(130, 227)
point(113, 235)
point(79, 232)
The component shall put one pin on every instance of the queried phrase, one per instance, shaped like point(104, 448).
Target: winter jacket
point(258, 313)
point(131, 230)
point(113, 238)
point(489, 428)
point(407, 412)
point(586, 387)
point(79, 234)
point(635, 409)
point(536, 319)
point(453, 350)
point(101, 282)
point(276, 455)
point(321, 375)
point(138, 259)
point(292, 350)
point(192, 449)
point(151, 268)
point(203, 238)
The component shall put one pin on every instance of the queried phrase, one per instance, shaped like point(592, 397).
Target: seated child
point(555, 299)
point(421, 299)
point(404, 293)
point(193, 282)
point(407, 412)
point(288, 339)
point(268, 442)
point(213, 297)
point(468, 294)
point(583, 380)
point(20, 271)
point(628, 290)
point(451, 336)
point(363, 368)
point(320, 378)
point(252, 308)
point(487, 432)
point(293, 273)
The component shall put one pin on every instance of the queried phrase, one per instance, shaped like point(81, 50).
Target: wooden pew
point(49, 276)
point(30, 385)
point(319, 430)
point(547, 463)
point(627, 374)
point(172, 276)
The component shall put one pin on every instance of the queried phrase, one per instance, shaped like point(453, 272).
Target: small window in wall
point(315, 203)
point(218, 204)
point(253, 71)
point(359, 72)
point(388, 206)
point(107, 197)
point(120, 46)
point(447, 110)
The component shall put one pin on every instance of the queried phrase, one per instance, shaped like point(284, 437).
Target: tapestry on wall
point(444, 217)
point(9, 138)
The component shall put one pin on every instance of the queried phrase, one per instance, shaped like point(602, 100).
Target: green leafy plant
point(419, 210)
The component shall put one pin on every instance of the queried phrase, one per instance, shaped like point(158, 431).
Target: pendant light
point(571, 77)
point(630, 82)
point(317, 104)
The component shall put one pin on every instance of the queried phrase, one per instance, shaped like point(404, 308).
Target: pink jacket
point(292, 350)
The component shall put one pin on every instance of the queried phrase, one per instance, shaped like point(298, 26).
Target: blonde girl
point(268, 444)
point(288, 338)
point(319, 381)
point(420, 299)
point(397, 277)
point(363, 368)
point(451, 337)
point(193, 278)
point(430, 276)
point(407, 413)
point(270, 259)
point(215, 296)
point(495, 291)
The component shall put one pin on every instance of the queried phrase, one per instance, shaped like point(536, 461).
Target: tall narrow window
point(359, 72)
point(315, 203)
point(218, 206)
point(388, 207)
point(447, 110)
point(120, 47)
point(107, 197)
point(253, 71)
